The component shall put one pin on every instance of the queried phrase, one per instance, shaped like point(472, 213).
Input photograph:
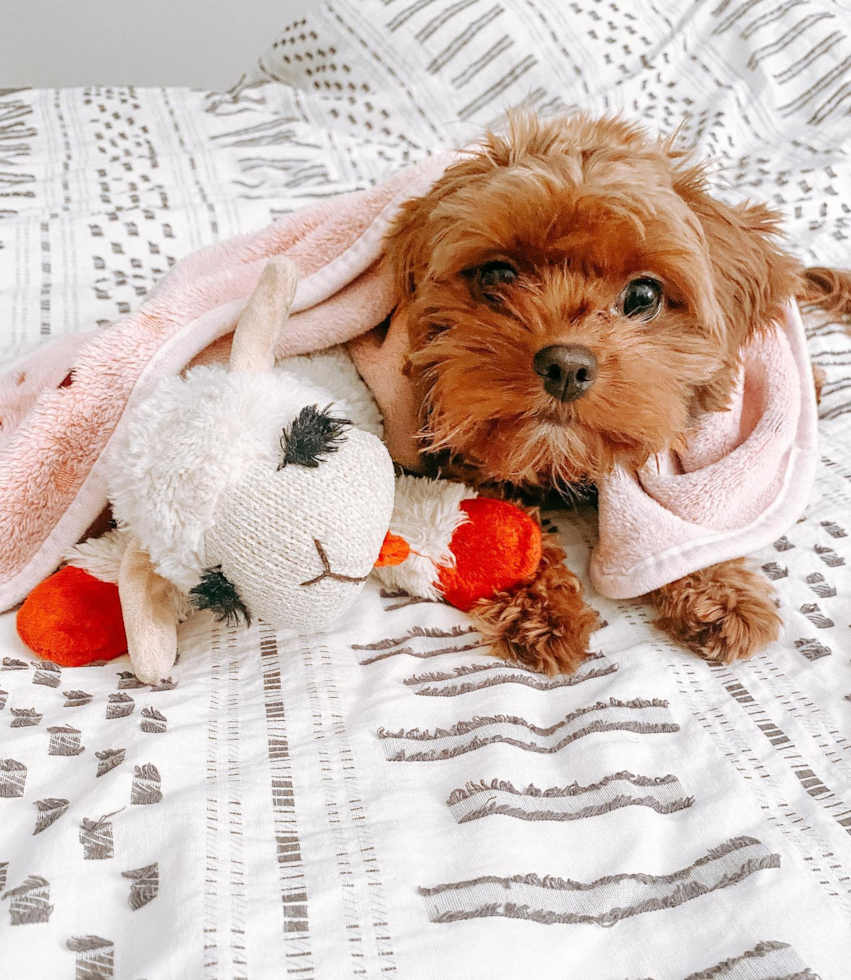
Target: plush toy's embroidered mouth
point(312, 436)
point(326, 569)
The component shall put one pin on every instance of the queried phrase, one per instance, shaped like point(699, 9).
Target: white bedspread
point(384, 799)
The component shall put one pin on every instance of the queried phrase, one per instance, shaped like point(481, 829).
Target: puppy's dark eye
point(496, 274)
point(486, 279)
point(641, 298)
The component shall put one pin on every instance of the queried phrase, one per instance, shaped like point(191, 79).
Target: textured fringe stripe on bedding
point(638, 716)
point(477, 676)
point(664, 794)
point(766, 961)
point(551, 900)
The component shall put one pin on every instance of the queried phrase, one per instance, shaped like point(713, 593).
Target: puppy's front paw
point(723, 613)
point(545, 625)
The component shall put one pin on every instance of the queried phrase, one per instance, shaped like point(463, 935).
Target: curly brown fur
point(724, 613)
point(828, 290)
point(545, 625)
point(578, 207)
point(568, 211)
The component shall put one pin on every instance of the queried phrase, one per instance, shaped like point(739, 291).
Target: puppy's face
point(574, 298)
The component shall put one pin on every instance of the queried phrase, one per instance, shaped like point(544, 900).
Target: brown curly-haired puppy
point(574, 297)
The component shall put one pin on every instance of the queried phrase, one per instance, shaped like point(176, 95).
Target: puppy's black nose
point(567, 371)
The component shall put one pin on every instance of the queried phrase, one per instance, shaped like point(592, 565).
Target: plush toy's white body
point(212, 494)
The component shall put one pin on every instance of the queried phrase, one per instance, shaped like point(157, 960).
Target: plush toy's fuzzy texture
point(73, 618)
point(101, 557)
point(334, 372)
point(426, 514)
point(497, 548)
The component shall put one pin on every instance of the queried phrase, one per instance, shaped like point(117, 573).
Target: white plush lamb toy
point(266, 492)
point(246, 490)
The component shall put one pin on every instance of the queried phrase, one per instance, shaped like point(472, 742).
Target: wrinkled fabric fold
point(743, 479)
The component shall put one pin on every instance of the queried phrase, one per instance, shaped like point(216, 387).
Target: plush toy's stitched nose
point(567, 371)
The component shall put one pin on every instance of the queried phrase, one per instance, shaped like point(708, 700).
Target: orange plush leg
point(496, 549)
point(72, 619)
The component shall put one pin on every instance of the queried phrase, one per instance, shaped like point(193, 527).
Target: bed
point(385, 799)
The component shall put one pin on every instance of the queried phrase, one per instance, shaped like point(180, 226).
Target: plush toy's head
point(298, 534)
point(247, 488)
point(242, 487)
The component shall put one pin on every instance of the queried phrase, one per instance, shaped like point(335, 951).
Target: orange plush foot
point(72, 619)
point(497, 549)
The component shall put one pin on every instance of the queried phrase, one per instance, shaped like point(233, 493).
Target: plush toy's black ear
point(217, 593)
point(313, 435)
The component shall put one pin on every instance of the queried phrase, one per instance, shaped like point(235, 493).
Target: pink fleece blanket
point(744, 480)
point(63, 405)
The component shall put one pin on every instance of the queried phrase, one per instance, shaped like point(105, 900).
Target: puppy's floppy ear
point(421, 222)
point(407, 243)
point(753, 276)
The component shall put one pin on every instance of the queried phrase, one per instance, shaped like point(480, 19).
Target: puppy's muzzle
point(567, 371)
